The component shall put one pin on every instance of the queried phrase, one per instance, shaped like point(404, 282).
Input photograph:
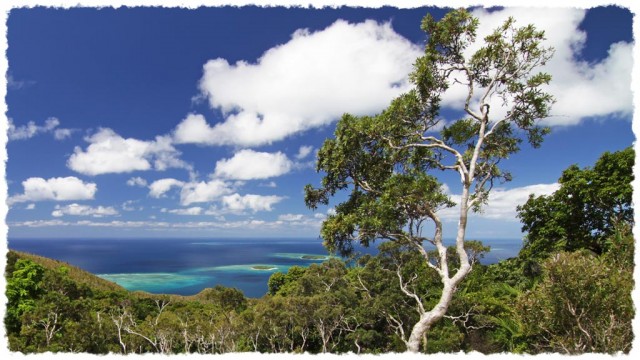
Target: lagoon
point(187, 266)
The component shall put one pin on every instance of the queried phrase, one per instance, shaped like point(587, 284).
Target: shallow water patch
point(155, 282)
point(246, 268)
point(301, 256)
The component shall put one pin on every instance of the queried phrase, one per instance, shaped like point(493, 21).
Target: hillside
point(76, 274)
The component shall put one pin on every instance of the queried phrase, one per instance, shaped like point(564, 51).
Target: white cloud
point(159, 187)
point(129, 206)
point(270, 184)
point(250, 165)
point(137, 181)
point(31, 129)
point(300, 220)
point(199, 192)
point(291, 217)
point(502, 203)
point(38, 223)
point(166, 226)
point(581, 89)
point(196, 210)
point(108, 152)
point(308, 82)
point(239, 203)
point(303, 152)
point(194, 129)
point(61, 134)
point(30, 206)
point(83, 210)
point(58, 189)
point(14, 84)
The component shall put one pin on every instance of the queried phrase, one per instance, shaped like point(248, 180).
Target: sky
point(167, 122)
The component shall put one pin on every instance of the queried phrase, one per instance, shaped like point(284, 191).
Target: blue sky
point(159, 122)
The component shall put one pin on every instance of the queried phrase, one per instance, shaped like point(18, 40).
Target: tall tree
point(385, 162)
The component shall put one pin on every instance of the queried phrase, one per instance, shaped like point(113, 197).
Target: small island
point(313, 257)
point(263, 267)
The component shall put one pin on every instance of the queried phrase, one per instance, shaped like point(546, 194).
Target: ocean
point(187, 266)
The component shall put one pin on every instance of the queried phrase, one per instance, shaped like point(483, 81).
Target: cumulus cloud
point(137, 181)
point(239, 203)
point(200, 192)
point(159, 187)
point(250, 165)
point(109, 152)
point(57, 189)
point(307, 82)
point(502, 202)
point(303, 152)
point(30, 206)
point(31, 129)
point(582, 89)
point(83, 210)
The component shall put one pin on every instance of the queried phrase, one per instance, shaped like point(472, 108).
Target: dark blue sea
point(187, 266)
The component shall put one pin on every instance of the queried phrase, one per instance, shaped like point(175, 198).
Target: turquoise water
point(187, 266)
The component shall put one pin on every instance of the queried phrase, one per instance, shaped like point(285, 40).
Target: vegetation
point(386, 162)
point(584, 212)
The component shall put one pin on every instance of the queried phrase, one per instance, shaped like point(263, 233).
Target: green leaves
point(24, 287)
point(584, 211)
point(583, 304)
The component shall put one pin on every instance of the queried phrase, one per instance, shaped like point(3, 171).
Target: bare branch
point(403, 287)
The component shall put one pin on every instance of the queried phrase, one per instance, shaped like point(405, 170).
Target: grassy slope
point(84, 277)
point(78, 275)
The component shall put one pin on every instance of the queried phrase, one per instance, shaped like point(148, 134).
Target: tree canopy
point(387, 162)
point(583, 212)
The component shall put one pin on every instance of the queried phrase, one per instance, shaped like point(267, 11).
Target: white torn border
point(7, 5)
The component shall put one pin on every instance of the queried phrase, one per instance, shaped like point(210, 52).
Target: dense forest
point(568, 291)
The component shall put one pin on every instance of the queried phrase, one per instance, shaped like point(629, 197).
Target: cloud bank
point(83, 210)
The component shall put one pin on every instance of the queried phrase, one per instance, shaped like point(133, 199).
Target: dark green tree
point(583, 212)
point(385, 162)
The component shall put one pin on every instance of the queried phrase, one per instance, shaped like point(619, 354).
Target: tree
point(385, 162)
point(583, 302)
point(24, 287)
point(583, 212)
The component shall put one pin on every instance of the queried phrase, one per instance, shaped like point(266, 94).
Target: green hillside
point(76, 274)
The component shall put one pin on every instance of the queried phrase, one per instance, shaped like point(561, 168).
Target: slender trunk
point(428, 318)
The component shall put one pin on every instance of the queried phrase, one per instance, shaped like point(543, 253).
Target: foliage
point(23, 286)
point(583, 304)
point(583, 212)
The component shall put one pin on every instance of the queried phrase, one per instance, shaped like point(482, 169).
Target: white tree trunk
point(428, 318)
